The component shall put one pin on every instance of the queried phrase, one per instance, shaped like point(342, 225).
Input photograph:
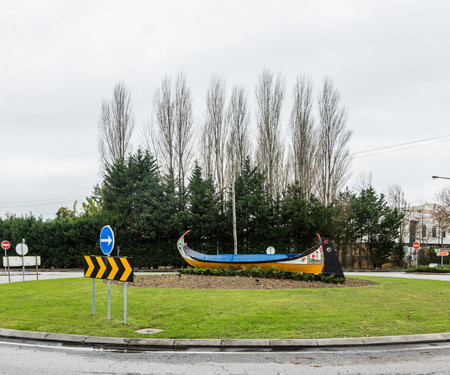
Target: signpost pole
point(416, 246)
point(23, 264)
point(93, 296)
point(109, 299)
point(107, 245)
point(9, 273)
point(5, 246)
point(125, 303)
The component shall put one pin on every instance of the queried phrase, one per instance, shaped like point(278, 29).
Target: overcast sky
point(390, 61)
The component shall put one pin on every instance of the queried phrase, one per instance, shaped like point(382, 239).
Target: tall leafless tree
point(238, 145)
point(396, 199)
point(163, 141)
point(215, 133)
point(303, 136)
point(364, 181)
point(441, 213)
point(184, 133)
point(115, 126)
point(333, 152)
point(270, 151)
point(238, 119)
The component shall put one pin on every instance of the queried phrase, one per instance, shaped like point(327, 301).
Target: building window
point(424, 231)
point(433, 232)
point(443, 233)
point(412, 231)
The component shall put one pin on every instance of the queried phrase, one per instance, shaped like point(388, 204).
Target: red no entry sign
point(416, 245)
point(5, 245)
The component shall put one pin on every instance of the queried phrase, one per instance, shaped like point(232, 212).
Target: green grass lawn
point(394, 307)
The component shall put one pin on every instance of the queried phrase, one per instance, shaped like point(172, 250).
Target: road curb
point(219, 344)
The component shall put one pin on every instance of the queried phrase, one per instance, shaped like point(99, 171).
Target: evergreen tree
point(203, 212)
point(132, 200)
point(376, 225)
point(344, 226)
point(253, 214)
point(304, 219)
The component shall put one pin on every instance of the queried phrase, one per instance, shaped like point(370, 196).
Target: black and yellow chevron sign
point(109, 268)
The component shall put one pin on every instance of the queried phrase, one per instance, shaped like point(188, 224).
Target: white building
point(423, 225)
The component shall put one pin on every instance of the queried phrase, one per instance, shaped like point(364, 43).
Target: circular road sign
point(5, 245)
point(21, 249)
point(270, 250)
point(106, 240)
point(416, 245)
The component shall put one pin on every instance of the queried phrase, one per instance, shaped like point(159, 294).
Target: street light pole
point(435, 177)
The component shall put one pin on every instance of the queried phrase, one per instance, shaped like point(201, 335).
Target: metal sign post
point(5, 246)
point(23, 264)
point(22, 249)
point(442, 253)
point(107, 245)
point(109, 299)
point(93, 296)
point(416, 246)
point(9, 274)
point(109, 268)
point(125, 303)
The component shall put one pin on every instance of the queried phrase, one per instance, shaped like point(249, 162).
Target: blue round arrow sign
point(106, 240)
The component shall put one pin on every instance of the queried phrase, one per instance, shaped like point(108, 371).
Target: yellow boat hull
point(304, 268)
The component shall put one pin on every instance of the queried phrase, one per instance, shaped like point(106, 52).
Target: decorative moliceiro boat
point(321, 258)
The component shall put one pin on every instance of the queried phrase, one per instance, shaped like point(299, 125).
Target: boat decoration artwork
point(320, 259)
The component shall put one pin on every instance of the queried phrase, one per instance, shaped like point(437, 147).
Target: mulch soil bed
point(236, 282)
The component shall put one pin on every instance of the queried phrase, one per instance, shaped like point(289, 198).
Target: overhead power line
point(396, 147)
point(34, 203)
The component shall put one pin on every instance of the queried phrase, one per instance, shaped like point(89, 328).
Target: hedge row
point(270, 273)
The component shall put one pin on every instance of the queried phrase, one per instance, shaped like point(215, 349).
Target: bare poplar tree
point(270, 152)
point(207, 153)
point(303, 136)
point(115, 126)
point(396, 199)
point(364, 182)
point(333, 153)
point(238, 145)
point(164, 117)
point(215, 133)
point(184, 132)
point(441, 212)
point(238, 119)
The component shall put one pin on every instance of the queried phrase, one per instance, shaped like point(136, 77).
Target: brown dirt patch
point(236, 282)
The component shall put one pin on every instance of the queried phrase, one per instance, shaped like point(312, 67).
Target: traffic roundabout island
point(183, 281)
point(223, 317)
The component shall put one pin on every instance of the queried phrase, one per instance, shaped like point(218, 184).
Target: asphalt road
point(17, 276)
point(31, 359)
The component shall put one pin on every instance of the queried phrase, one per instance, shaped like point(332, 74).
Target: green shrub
point(270, 273)
point(438, 269)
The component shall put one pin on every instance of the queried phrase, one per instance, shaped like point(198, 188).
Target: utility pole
point(233, 192)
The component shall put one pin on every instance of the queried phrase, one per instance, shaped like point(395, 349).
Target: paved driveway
point(404, 275)
point(42, 275)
